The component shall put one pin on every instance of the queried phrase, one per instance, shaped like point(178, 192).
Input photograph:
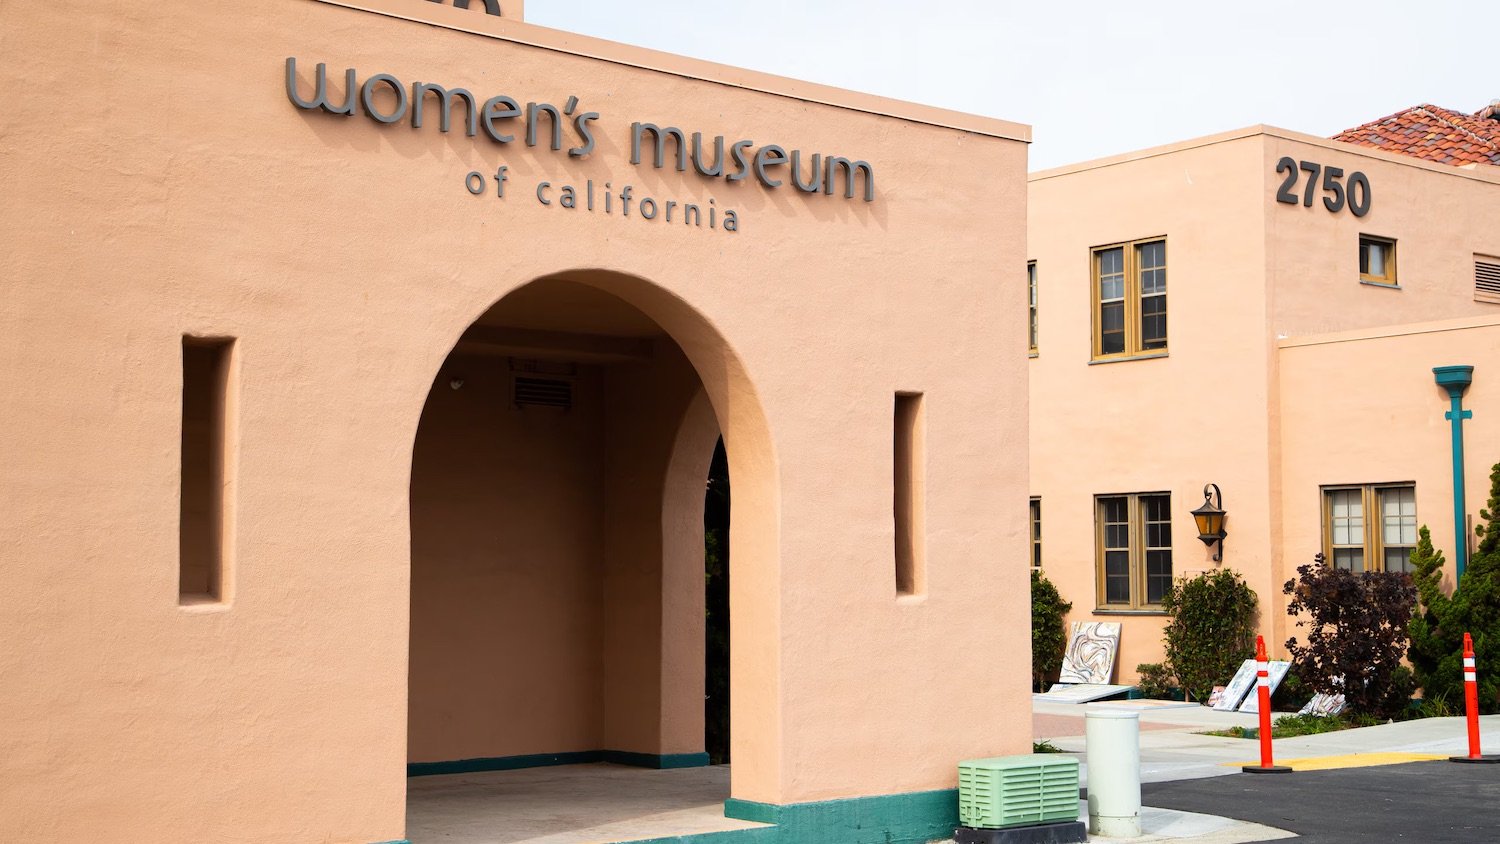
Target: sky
point(1092, 78)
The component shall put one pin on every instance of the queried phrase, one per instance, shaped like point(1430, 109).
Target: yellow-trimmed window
point(1377, 260)
point(1133, 549)
point(1130, 299)
point(1370, 527)
point(1031, 296)
point(1036, 533)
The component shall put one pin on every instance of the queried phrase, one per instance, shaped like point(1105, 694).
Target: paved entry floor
point(568, 804)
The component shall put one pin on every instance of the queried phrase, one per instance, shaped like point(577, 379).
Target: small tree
point(1438, 630)
point(1212, 629)
point(1048, 639)
point(1356, 634)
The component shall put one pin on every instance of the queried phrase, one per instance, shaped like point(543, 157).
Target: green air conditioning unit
point(1009, 791)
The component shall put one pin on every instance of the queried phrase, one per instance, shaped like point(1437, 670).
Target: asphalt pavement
point(1372, 784)
point(1426, 802)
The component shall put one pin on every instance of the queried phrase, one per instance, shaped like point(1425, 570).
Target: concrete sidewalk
point(1173, 748)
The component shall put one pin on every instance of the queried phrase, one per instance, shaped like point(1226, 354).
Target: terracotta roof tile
point(1433, 133)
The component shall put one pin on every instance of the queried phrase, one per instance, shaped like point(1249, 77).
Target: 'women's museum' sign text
point(501, 119)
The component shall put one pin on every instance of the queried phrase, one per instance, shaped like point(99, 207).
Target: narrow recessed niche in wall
point(206, 500)
point(910, 499)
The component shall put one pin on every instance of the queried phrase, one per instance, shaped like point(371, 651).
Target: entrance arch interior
point(557, 603)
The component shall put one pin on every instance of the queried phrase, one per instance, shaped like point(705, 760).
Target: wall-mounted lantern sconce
point(1210, 519)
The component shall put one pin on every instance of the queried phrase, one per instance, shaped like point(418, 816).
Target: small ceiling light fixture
point(1210, 519)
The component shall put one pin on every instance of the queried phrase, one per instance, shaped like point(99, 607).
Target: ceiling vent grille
point(1486, 279)
point(543, 392)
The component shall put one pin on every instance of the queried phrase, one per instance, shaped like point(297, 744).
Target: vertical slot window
point(1031, 296)
point(1156, 515)
point(1036, 534)
point(1114, 546)
point(909, 501)
point(1111, 269)
point(1151, 259)
point(1346, 515)
point(203, 517)
point(1398, 526)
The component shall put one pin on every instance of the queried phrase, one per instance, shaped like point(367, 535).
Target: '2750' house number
point(1355, 193)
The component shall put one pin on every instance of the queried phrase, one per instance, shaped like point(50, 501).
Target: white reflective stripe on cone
point(1468, 662)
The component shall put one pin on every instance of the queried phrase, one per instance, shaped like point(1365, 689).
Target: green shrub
point(1212, 629)
point(1437, 632)
point(1356, 634)
point(1156, 680)
point(1434, 706)
point(1048, 637)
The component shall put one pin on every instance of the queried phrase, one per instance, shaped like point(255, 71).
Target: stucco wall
point(1439, 216)
point(1168, 424)
point(507, 556)
point(164, 185)
point(647, 638)
point(1243, 271)
point(1387, 424)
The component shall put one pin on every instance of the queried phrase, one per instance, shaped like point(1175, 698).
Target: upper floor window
point(1130, 298)
point(1133, 556)
point(1371, 527)
point(1036, 533)
point(1031, 294)
point(1377, 260)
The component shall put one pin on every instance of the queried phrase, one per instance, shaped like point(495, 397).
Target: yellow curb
point(1350, 760)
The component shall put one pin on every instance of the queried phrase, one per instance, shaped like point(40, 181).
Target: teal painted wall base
point(913, 818)
point(543, 760)
point(656, 760)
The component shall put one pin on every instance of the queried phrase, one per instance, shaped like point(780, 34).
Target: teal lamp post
point(1456, 379)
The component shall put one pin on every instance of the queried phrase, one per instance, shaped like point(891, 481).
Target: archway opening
point(562, 524)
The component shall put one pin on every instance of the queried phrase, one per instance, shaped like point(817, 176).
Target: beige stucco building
point(1204, 315)
point(356, 421)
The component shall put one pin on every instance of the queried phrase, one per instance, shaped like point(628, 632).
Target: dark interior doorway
point(716, 633)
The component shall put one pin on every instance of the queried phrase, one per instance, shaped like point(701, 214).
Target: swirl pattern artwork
point(1090, 657)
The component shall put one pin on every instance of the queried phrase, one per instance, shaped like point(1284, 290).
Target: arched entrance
point(556, 505)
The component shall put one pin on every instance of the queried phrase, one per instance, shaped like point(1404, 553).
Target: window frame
point(1373, 546)
point(1034, 327)
point(1390, 278)
point(1133, 344)
point(1036, 532)
point(1135, 516)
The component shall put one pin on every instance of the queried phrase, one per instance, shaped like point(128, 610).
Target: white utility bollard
point(1113, 744)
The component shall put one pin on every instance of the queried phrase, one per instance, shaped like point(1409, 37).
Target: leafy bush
point(1156, 680)
point(1212, 629)
point(1437, 633)
point(1048, 638)
point(1356, 633)
point(1434, 706)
